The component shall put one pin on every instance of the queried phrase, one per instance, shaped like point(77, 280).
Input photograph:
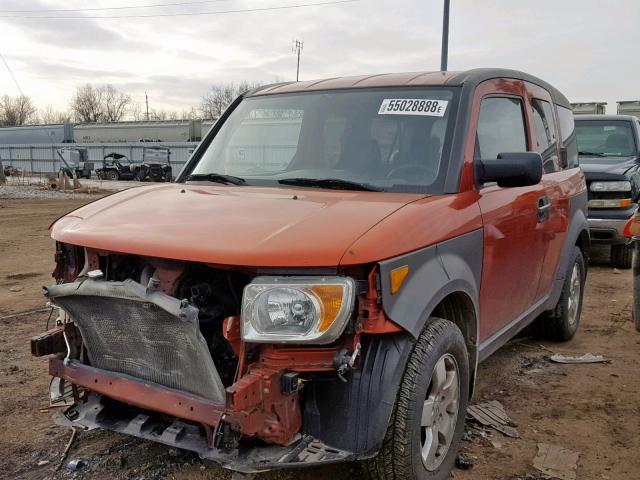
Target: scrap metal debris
point(492, 414)
point(557, 462)
point(586, 358)
point(464, 462)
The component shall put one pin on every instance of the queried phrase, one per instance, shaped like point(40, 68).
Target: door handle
point(544, 209)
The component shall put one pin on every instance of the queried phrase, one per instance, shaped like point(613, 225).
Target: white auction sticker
point(413, 106)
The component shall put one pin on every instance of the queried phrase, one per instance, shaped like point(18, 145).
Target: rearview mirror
point(511, 169)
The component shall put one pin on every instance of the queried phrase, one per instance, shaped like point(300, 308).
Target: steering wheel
point(413, 169)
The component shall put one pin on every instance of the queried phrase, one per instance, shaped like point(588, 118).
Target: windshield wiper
point(335, 183)
point(592, 154)
point(216, 178)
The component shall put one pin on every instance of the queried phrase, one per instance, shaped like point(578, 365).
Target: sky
point(586, 48)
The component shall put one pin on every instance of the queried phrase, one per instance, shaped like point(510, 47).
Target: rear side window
point(501, 127)
point(568, 136)
point(546, 138)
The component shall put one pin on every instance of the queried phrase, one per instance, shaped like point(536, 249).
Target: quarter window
point(545, 128)
point(501, 127)
point(568, 136)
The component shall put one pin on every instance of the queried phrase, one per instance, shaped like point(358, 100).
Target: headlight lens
point(296, 309)
point(621, 186)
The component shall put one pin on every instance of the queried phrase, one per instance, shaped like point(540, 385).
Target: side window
point(545, 128)
point(501, 127)
point(568, 136)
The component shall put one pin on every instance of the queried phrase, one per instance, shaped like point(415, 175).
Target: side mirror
point(511, 169)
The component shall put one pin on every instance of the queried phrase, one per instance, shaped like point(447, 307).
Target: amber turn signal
point(398, 276)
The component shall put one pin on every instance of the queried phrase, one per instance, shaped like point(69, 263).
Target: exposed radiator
point(147, 335)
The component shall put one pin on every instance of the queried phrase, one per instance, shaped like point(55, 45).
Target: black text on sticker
point(413, 106)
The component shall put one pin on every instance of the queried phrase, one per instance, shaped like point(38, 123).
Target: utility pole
point(444, 57)
point(146, 100)
point(297, 48)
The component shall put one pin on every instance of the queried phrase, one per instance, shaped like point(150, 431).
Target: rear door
point(514, 235)
point(545, 134)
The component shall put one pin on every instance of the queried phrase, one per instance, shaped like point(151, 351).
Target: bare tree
point(136, 113)
point(50, 116)
point(87, 104)
point(17, 110)
point(115, 103)
point(102, 103)
point(216, 101)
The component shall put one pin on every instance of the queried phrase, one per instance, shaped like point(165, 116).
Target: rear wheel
point(112, 175)
point(561, 323)
point(621, 256)
point(428, 419)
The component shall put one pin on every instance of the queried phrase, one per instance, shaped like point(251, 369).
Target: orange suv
point(324, 276)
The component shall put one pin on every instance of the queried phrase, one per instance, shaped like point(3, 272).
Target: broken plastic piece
point(76, 464)
point(586, 358)
point(557, 462)
point(492, 414)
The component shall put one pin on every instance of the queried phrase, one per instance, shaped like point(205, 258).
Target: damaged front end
point(244, 368)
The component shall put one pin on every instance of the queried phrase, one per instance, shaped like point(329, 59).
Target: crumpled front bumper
point(149, 422)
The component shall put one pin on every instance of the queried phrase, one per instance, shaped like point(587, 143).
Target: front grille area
point(150, 336)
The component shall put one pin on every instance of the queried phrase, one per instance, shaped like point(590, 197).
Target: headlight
point(296, 309)
point(621, 186)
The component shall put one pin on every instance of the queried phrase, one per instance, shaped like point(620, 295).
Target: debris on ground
point(76, 464)
point(492, 414)
point(475, 433)
point(530, 476)
point(15, 288)
point(464, 462)
point(557, 462)
point(63, 457)
point(42, 463)
point(586, 358)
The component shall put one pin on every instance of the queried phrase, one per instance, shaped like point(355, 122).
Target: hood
point(228, 225)
point(595, 168)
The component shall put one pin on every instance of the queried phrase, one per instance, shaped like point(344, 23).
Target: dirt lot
point(591, 409)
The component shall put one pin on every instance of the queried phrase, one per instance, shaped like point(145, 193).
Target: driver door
point(513, 218)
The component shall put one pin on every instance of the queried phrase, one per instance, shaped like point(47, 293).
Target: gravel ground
point(36, 188)
point(38, 192)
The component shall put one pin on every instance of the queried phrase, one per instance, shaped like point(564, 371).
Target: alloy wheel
point(440, 412)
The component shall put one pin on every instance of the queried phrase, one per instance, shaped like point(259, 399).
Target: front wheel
point(428, 419)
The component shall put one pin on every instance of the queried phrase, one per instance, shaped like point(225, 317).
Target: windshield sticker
point(413, 106)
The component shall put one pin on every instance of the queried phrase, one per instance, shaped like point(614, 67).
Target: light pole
point(444, 57)
point(297, 48)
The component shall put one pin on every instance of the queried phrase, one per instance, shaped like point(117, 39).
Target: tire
point(113, 175)
point(621, 256)
point(139, 176)
point(561, 323)
point(441, 345)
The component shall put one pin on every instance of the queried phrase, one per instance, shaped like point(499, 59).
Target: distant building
point(629, 107)
point(589, 108)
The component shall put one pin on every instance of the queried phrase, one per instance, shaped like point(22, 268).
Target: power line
point(124, 7)
point(185, 14)
point(12, 75)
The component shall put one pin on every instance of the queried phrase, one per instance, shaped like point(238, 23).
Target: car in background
point(609, 154)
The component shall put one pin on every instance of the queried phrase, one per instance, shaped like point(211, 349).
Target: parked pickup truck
point(326, 296)
point(609, 154)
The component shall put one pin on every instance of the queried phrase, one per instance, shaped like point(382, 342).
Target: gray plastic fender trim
point(454, 265)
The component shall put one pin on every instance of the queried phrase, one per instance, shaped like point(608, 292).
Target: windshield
point(386, 139)
point(604, 139)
